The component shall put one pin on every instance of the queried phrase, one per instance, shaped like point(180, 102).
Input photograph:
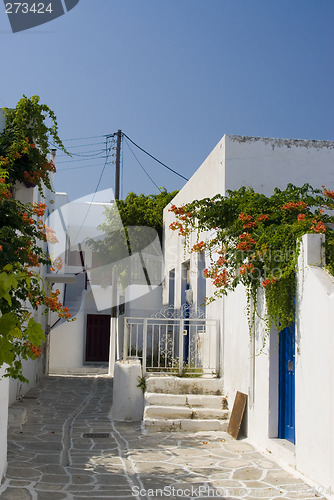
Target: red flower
point(268, 281)
point(318, 226)
point(246, 267)
point(329, 193)
point(220, 261)
point(300, 205)
point(247, 242)
point(198, 247)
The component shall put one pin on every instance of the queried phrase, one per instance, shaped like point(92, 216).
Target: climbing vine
point(254, 240)
point(23, 158)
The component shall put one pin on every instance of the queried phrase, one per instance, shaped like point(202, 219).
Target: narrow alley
point(67, 448)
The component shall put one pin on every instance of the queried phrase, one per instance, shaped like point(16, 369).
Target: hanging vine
point(254, 240)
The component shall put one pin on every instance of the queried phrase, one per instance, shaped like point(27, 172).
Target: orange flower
point(268, 281)
point(246, 267)
point(247, 242)
point(221, 278)
point(301, 205)
point(301, 217)
point(198, 247)
point(329, 193)
point(318, 226)
point(220, 261)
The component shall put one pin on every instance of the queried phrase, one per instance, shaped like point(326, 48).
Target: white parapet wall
point(3, 421)
point(128, 398)
point(314, 365)
point(66, 348)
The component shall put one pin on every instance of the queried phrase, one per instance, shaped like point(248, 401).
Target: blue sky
point(175, 76)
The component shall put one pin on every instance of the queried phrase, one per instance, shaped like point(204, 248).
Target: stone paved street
point(69, 449)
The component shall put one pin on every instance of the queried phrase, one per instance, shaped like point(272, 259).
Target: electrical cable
point(83, 159)
point(93, 197)
point(76, 168)
point(83, 138)
point(148, 175)
point(156, 159)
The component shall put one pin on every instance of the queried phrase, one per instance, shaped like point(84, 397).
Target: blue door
point(286, 423)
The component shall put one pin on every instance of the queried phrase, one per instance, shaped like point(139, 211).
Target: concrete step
point(180, 385)
point(185, 425)
point(193, 400)
point(184, 412)
point(16, 416)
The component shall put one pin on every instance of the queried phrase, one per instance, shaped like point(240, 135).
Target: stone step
point(183, 385)
point(193, 400)
point(184, 412)
point(184, 425)
point(16, 416)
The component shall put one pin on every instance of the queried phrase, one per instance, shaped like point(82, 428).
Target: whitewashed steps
point(177, 385)
point(186, 405)
point(185, 425)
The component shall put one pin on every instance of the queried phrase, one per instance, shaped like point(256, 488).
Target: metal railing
point(176, 345)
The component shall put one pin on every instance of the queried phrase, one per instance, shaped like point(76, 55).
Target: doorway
point(97, 338)
point(286, 419)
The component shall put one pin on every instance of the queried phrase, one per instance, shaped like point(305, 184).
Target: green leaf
point(7, 282)
point(34, 333)
point(9, 326)
point(6, 353)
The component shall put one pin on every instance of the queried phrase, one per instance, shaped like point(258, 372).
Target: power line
point(93, 152)
point(163, 164)
point(77, 168)
point(83, 138)
point(148, 175)
point(93, 197)
point(96, 157)
point(84, 145)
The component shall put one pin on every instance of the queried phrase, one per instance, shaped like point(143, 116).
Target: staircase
point(184, 404)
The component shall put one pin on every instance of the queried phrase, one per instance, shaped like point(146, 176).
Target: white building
point(307, 441)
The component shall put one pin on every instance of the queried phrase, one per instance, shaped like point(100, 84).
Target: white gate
point(175, 345)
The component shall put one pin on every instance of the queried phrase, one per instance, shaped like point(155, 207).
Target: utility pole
point(113, 318)
point(118, 164)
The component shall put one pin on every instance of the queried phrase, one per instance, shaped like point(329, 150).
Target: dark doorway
point(98, 338)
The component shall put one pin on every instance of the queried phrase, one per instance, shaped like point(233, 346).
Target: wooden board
point(237, 414)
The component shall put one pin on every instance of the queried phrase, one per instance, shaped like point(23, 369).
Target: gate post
point(181, 339)
point(126, 339)
point(144, 345)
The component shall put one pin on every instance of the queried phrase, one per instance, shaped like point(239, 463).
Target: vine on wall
point(23, 158)
point(254, 240)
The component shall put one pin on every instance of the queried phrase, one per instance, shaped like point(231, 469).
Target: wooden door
point(287, 383)
point(98, 338)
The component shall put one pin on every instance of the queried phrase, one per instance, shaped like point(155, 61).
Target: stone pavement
point(69, 449)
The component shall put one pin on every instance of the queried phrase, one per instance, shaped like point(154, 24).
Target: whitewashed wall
point(315, 367)
point(3, 421)
point(66, 350)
